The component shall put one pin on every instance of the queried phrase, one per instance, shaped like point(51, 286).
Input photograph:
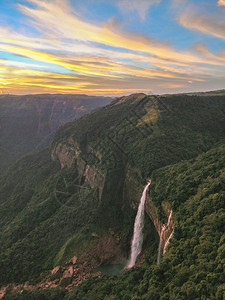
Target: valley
point(79, 195)
point(28, 123)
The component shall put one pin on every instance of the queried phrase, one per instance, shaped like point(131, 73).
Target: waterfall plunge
point(138, 227)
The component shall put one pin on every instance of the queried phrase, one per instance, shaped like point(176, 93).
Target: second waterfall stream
point(137, 239)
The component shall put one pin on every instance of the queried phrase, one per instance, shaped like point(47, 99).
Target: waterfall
point(160, 243)
point(167, 242)
point(138, 227)
point(163, 243)
point(169, 219)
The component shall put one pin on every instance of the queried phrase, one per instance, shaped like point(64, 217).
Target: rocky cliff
point(132, 188)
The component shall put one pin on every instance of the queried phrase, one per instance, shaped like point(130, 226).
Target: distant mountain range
point(27, 123)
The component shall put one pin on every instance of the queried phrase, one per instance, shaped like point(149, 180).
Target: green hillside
point(149, 131)
point(49, 214)
point(193, 266)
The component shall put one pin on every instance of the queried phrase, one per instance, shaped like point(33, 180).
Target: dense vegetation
point(193, 265)
point(178, 141)
point(27, 123)
point(150, 131)
point(41, 219)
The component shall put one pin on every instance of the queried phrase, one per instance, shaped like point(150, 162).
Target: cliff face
point(68, 154)
point(96, 179)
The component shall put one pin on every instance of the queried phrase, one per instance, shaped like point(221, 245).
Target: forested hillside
point(149, 131)
point(80, 196)
point(193, 266)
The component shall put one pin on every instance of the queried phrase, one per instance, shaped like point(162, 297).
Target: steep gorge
point(86, 195)
point(148, 123)
point(97, 179)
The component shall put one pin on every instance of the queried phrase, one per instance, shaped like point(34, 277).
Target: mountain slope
point(29, 122)
point(148, 131)
point(192, 267)
point(86, 198)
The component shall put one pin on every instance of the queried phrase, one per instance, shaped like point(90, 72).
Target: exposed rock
point(70, 270)
point(94, 178)
point(26, 285)
point(55, 270)
point(68, 273)
point(3, 291)
point(73, 260)
point(55, 273)
point(153, 213)
point(67, 153)
point(74, 272)
point(67, 277)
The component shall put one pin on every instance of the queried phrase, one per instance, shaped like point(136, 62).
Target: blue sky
point(111, 47)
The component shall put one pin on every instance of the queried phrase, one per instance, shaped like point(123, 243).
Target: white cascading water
point(169, 219)
point(164, 229)
point(137, 239)
point(167, 242)
point(160, 243)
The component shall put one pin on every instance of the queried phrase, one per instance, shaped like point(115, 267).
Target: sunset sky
point(111, 47)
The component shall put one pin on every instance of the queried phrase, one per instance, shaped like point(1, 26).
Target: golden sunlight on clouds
point(48, 15)
point(174, 86)
point(84, 68)
point(61, 23)
point(221, 2)
point(67, 55)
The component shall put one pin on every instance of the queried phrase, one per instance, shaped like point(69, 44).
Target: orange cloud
point(173, 86)
point(221, 2)
point(55, 59)
point(65, 39)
